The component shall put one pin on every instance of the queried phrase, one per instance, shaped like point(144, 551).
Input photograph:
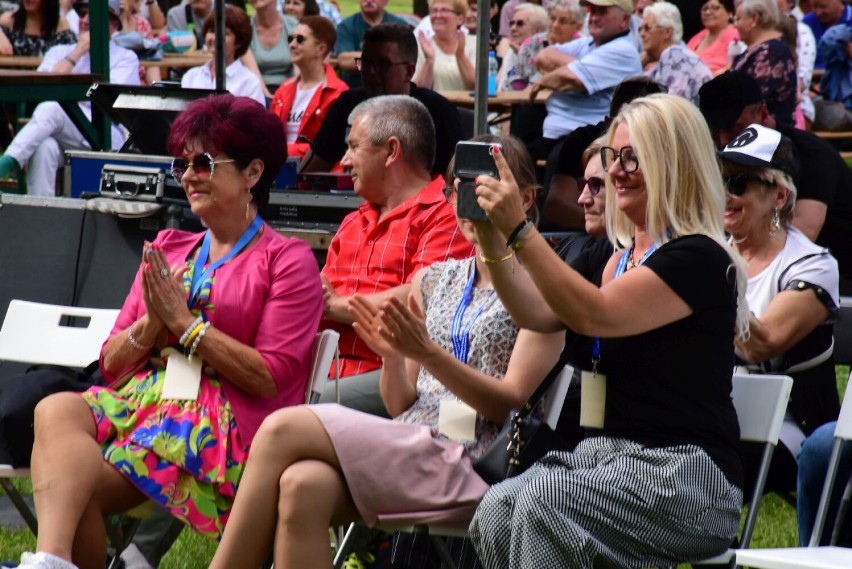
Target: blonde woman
point(445, 62)
point(658, 478)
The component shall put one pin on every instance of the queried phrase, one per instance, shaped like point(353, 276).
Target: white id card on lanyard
point(457, 420)
point(183, 377)
point(592, 399)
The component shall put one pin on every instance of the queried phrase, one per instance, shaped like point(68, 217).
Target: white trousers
point(41, 144)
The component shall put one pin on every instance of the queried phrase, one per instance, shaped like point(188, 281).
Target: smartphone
point(473, 159)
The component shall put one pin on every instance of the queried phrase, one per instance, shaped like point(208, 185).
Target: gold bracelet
point(490, 261)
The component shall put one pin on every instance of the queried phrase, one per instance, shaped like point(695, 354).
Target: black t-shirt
point(826, 178)
point(330, 142)
point(672, 386)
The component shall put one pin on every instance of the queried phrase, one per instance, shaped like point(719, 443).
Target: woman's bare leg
point(114, 494)
point(66, 463)
point(285, 438)
point(68, 473)
point(311, 495)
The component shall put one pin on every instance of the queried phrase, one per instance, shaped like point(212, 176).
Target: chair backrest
point(33, 332)
point(324, 352)
point(760, 401)
point(844, 420)
point(555, 396)
point(843, 333)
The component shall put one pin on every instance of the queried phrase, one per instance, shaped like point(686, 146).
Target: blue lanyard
point(461, 339)
point(620, 269)
point(198, 276)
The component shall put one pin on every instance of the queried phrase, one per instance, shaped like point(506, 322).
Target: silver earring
point(775, 224)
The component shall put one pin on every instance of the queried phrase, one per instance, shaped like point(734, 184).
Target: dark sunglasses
point(595, 184)
point(517, 23)
point(738, 183)
point(298, 37)
point(203, 164)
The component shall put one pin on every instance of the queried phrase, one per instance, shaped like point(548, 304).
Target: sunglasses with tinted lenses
point(298, 37)
point(738, 183)
point(595, 184)
point(203, 165)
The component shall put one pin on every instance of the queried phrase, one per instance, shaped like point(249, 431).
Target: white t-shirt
point(238, 80)
point(297, 111)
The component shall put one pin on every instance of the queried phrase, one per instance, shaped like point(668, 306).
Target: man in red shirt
point(404, 224)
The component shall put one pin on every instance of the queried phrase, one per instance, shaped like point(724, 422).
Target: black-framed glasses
point(450, 194)
point(737, 184)
point(299, 38)
point(203, 164)
point(627, 157)
point(595, 184)
point(380, 64)
point(517, 24)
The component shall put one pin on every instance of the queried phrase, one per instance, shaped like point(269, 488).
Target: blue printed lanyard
point(461, 339)
point(198, 276)
point(620, 269)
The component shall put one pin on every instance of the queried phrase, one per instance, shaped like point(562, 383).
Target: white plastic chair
point(554, 398)
point(39, 333)
point(324, 353)
point(828, 557)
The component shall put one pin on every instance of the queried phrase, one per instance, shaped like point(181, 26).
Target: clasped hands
point(163, 291)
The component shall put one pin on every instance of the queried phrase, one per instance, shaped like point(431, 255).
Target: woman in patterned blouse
point(34, 28)
point(768, 58)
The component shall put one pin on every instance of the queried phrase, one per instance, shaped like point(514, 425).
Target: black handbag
point(19, 395)
point(524, 439)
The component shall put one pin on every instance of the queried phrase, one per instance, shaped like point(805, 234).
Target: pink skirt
point(398, 474)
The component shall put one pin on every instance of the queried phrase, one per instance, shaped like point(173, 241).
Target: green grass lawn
point(776, 526)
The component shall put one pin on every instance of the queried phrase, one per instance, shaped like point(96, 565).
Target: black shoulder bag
point(19, 395)
point(524, 439)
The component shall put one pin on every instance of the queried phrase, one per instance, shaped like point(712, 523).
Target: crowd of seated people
point(783, 220)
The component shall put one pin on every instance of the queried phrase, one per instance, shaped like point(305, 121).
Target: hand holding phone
point(473, 159)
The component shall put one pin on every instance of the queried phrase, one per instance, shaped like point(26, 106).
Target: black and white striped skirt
point(610, 502)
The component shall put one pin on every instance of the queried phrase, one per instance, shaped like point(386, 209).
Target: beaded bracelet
point(189, 329)
point(198, 340)
point(193, 335)
point(134, 341)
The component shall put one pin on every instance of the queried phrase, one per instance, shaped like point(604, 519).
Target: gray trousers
point(360, 392)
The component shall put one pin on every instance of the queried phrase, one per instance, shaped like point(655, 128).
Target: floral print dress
point(23, 44)
point(185, 455)
point(771, 64)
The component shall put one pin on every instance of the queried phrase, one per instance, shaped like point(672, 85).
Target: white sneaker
point(42, 560)
point(133, 558)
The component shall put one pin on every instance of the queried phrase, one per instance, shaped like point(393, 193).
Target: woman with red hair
point(215, 334)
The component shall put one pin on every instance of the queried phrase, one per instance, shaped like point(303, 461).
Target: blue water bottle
point(492, 74)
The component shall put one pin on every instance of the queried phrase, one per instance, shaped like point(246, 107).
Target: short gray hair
point(667, 16)
point(577, 12)
point(403, 117)
point(766, 9)
point(538, 16)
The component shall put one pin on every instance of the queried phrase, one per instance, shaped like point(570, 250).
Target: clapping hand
point(392, 329)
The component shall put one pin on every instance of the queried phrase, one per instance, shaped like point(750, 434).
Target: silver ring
point(164, 273)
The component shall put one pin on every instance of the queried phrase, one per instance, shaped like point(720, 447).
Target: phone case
point(466, 205)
